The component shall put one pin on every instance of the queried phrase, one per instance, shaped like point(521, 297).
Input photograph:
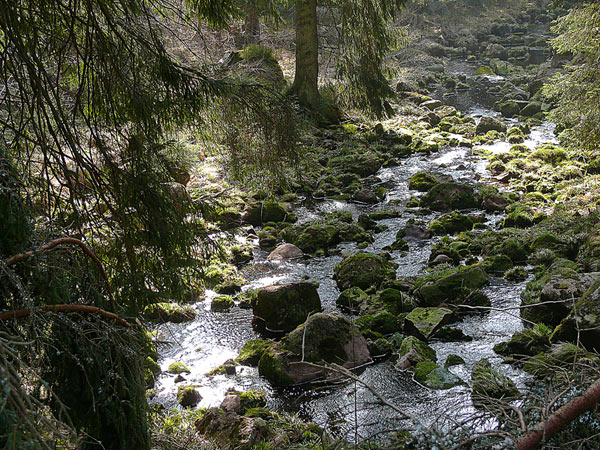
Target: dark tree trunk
point(307, 54)
point(251, 24)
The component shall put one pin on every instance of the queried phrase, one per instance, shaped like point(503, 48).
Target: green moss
point(449, 196)
point(422, 369)
point(351, 299)
point(488, 382)
point(451, 223)
point(221, 303)
point(363, 270)
point(271, 366)
point(382, 322)
point(528, 342)
point(423, 322)
point(421, 351)
point(252, 399)
point(497, 263)
point(178, 367)
point(169, 312)
point(252, 351)
point(453, 360)
point(484, 70)
point(188, 396)
point(422, 181)
point(450, 284)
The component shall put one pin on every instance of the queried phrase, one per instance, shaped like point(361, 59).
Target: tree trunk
point(251, 23)
point(307, 54)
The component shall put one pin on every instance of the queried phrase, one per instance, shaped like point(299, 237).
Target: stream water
point(344, 410)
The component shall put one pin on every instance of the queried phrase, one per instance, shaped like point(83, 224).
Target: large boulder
point(267, 211)
point(449, 196)
point(488, 123)
point(285, 252)
point(323, 338)
point(423, 181)
point(231, 430)
point(450, 286)
point(559, 289)
point(583, 322)
point(496, 51)
point(285, 306)
point(424, 322)
point(363, 270)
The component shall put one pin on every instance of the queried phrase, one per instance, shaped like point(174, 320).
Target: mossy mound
point(382, 322)
point(267, 211)
point(352, 299)
point(423, 181)
point(188, 396)
point(449, 196)
point(450, 285)
point(416, 350)
point(169, 312)
point(528, 342)
point(452, 223)
point(221, 303)
point(252, 351)
point(363, 270)
point(424, 322)
point(178, 367)
point(322, 338)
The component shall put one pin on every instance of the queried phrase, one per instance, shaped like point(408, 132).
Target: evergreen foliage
point(577, 90)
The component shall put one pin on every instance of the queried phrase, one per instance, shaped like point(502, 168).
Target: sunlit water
point(212, 338)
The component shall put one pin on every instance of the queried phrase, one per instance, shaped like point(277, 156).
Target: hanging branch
point(52, 244)
point(63, 308)
point(561, 418)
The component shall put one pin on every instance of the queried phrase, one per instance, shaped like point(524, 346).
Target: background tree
point(365, 39)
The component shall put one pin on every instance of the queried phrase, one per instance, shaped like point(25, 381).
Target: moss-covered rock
point(252, 351)
point(562, 355)
point(423, 181)
point(434, 377)
point(352, 299)
point(450, 285)
point(285, 306)
point(382, 322)
point(552, 292)
point(528, 342)
point(178, 367)
point(489, 383)
point(453, 360)
point(322, 338)
point(267, 211)
point(449, 196)
point(221, 303)
point(497, 264)
point(188, 396)
point(169, 312)
point(488, 123)
point(413, 351)
point(424, 322)
point(363, 270)
point(583, 321)
point(454, 222)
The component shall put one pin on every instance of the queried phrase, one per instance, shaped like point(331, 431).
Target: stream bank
point(360, 172)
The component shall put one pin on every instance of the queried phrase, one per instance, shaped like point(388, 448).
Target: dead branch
point(55, 243)
point(561, 418)
point(63, 308)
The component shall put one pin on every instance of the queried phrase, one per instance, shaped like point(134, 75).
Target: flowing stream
point(344, 410)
